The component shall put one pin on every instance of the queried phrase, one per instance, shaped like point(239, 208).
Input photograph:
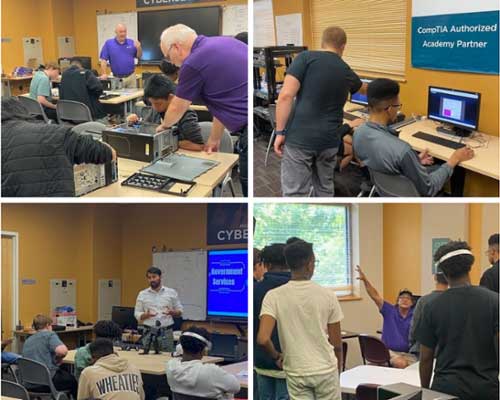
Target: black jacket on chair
point(83, 86)
point(38, 159)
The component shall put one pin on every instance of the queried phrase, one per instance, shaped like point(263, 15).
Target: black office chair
point(345, 347)
point(34, 108)
point(73, 112)
point(35, 377)
point(374, 351)
point(14, 390)
point(393, 185)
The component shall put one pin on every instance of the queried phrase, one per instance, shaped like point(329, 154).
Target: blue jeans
point(272, 388)
point(9, 358)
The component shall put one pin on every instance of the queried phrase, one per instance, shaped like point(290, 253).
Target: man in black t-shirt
point(320, 82)
point(491, 276)
point(463, 324)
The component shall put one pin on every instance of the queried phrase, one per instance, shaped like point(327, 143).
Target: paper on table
point(289, 29)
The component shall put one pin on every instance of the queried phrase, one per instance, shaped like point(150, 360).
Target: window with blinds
point(376, 33)
point(326, 226)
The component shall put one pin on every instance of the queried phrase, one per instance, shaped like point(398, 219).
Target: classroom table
point(205, 183)
point(486, 147)
point(16, 85)
point(350, 379)
point(71, 337)
point(151, 364)
point(349, 334)
point(240, 370)
point(126, 98)
point(9, 398)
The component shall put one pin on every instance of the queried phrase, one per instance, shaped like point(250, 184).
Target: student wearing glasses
point(378, 147)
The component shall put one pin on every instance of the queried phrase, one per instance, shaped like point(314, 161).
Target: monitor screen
point(227, 284)
point(124, 317)
point(204, 20)
point(454, 107)
point(358, 98)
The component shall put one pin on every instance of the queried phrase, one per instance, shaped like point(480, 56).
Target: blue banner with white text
point(465, 42)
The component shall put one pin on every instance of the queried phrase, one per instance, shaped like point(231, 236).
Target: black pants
point(63, 380)
point(50, 113)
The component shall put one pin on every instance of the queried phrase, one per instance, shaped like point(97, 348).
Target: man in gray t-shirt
point(419, 311)
point(45, 347)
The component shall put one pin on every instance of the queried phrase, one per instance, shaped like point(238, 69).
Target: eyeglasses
point(398, 106)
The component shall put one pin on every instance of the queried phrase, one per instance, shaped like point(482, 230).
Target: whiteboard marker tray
point(180, 166)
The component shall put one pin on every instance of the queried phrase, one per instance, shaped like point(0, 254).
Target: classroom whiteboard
point(186, 272)
point(106, 24)
point(234, 20)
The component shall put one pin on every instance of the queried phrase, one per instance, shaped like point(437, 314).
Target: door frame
point(15, 280)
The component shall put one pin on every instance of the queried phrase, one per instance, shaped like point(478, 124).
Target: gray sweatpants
point(302, 169)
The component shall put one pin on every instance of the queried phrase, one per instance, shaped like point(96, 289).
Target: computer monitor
point(358, 98)
point(227, 285)
point(124, 317)
point(457, 108)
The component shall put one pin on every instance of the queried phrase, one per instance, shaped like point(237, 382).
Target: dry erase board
point(186, 272)
point(106, 24)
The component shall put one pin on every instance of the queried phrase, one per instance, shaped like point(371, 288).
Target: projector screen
point(205, 21)
point(227, 284)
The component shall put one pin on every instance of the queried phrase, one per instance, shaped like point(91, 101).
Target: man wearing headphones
point(188, 375)
point(463, 323)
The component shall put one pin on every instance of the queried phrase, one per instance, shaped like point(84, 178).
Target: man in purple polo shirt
point(397, 322)
point(121, 52)
point(213, 70)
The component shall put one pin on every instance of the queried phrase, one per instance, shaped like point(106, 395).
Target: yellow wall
point(88, 242)
point(402, 244)
point(402, 252)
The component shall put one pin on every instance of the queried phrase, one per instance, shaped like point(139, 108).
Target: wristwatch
point(280, 133)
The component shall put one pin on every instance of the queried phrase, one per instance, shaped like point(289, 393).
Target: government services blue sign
point(465, 42)
point(227, 224)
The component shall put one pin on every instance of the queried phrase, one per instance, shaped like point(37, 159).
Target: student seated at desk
point(378, 147)
point(38, 158)
point(7, 356)
point(40, 88)
point(160, 91)
point(46, 348)
point(170, 70)
point(102, 330)
point(79, 84)
point(110, 377)
point(397, 321)
point(463, 323)
point(189, 376)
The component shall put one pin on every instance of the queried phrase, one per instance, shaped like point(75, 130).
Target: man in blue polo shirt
point(120, 52)
point(212, 70)
point(397, 322)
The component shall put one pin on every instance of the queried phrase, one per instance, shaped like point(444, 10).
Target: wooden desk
point(240, 370)
point(15, 86)
point(9, 398)
point(71, 337)
point(152, 364)
point(205, 183)
point(350, 379)
point(126, 98)
point(485, 162)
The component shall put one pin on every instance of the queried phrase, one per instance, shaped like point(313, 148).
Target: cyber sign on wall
point(227, 223)
point(456, 35)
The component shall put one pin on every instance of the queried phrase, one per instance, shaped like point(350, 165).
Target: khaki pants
point(130, 82)
point(315, 387)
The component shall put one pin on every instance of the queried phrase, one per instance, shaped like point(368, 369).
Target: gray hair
point(177, 34)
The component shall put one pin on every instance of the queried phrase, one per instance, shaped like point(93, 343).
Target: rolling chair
point(34, 108)
point(34, 374)
point(393, 185)
point(73, 111)
point(226, 146)
point(345, 347)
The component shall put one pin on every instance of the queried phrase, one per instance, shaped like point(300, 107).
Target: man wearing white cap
point(463, 323)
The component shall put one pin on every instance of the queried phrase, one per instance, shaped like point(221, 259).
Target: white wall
point(362, 315)
point(440, 221)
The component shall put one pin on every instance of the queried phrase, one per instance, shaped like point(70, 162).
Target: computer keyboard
point(438, 140)
point(350, 117)
point(400, 124)
point(108, 96)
